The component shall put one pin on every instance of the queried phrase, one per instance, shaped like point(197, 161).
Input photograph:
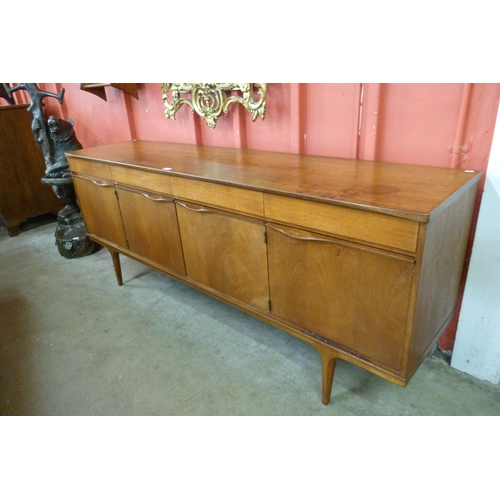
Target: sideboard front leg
point(116, 264)
point(328, 362)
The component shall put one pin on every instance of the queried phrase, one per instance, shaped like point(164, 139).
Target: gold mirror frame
point(210, 100)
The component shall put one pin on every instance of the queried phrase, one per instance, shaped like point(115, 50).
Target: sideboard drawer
point(142, 179)
point(377, 229)
point(89, 167)
point(218, 195)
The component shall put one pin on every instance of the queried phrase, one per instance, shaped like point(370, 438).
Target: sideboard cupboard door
point(354, 297)
point(150, 222)
point(225, 252)
point(100, 209)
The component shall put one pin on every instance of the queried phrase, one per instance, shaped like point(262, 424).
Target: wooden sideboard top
point(402, 190)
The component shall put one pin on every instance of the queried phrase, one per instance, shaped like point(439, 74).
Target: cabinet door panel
point(226, 253)
point(151, 227)
point(100, 209)
point(355, 297)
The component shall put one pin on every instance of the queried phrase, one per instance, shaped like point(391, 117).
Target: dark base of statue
point(71, 234)
point(71, 237)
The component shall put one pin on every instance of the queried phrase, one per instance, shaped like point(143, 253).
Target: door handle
point(155, 198)
point(102, 183)
point(200, 209)
point(302, 238)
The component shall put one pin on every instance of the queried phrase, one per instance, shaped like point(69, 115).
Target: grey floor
point(74, 343)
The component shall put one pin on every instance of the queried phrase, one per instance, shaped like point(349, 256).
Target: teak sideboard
point(361, 259)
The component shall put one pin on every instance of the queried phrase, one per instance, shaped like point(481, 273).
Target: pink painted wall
point(444, 125)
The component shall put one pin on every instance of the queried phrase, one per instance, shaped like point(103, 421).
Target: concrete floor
point(74, 343)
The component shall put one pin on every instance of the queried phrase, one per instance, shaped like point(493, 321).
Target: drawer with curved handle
point(192, 207)
point(232, 198)
point(302, 235)
point(143, 179)
point(148, 195)
point(90, 167)
point(358, 225)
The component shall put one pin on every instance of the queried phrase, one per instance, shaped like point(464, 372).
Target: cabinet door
point(225, 252)
point(151, 227)
point(100, 209)
point(353, 296)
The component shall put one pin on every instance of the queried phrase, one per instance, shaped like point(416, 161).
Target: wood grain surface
point(396, 189)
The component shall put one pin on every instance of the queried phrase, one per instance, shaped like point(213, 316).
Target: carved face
point(60, 129)
point(53, 124)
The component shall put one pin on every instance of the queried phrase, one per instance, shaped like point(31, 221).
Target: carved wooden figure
point(55, 137)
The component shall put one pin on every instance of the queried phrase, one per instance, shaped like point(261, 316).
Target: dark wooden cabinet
point(361, 259)
point(22, 194)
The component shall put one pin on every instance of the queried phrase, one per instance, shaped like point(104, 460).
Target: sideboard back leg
point(328, 362)
point(116, 264)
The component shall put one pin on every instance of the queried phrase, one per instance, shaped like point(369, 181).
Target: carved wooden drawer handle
point(303, 238)
point(200, 209)
point(346, 244)
point(149, 196)
point(102, 183)
point(155, 198)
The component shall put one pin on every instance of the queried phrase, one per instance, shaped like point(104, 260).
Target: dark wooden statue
point(56, 137)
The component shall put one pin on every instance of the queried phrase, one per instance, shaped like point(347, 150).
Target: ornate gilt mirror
point(210, 100)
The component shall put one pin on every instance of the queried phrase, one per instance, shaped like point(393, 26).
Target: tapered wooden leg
point(328, 370)
point(115, 256)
